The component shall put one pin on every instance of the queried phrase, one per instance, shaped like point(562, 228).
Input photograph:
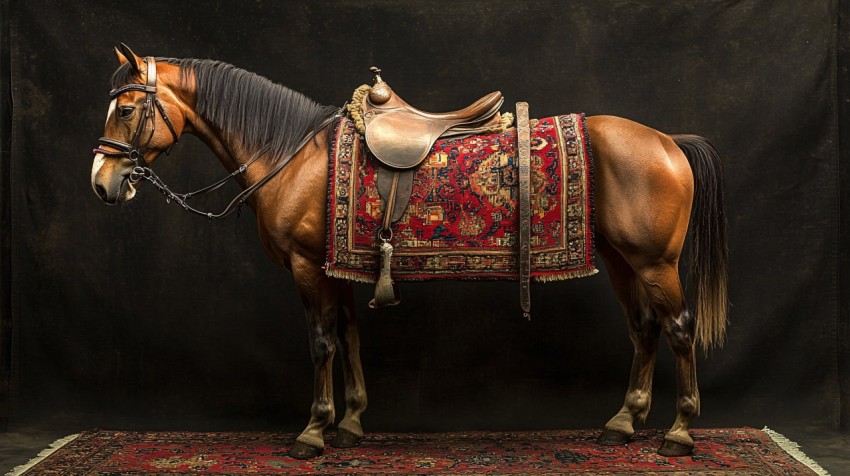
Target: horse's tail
point(709, 251)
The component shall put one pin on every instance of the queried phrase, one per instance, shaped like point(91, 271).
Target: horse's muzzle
point(111, 183)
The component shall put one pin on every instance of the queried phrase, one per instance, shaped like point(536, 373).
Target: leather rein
point(135, 152)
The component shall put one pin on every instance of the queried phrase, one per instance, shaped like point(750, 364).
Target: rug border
point(43, 455)
point(793, 449)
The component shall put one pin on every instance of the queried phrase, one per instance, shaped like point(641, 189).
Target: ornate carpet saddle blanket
point(462, 221)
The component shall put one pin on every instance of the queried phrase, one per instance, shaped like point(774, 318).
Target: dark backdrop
point(142, 316)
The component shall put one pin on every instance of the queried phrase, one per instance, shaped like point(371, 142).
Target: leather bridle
point(134, 150)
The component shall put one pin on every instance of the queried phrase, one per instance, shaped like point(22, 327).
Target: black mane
point(246, 106)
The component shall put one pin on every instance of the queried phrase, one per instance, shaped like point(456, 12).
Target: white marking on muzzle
point(95, 168)
point(99, 159)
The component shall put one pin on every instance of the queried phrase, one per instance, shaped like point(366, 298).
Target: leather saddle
point(400, 137)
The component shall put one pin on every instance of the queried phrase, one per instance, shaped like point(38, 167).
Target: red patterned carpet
point(742, 451)
point(462, 221)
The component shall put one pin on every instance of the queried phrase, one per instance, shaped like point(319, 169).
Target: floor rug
point(462, 220)
point(739, 451)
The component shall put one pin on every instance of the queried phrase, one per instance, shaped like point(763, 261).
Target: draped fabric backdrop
point(142, 316)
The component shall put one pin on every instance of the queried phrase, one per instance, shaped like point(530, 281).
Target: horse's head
point(144, 119)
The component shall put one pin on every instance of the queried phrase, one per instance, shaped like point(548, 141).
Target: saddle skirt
point(462, 220)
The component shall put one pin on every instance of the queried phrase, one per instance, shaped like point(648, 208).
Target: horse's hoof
point(345, 439)
point(611, 437)
point(672, 448)
point(304, 451)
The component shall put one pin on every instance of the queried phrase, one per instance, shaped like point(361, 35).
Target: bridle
point(135, 152)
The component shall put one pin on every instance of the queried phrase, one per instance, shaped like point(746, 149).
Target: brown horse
point(648, 187)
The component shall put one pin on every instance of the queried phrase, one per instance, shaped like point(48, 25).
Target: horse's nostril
point(101, 191)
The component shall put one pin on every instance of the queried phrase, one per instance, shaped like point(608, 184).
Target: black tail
point(709, 254)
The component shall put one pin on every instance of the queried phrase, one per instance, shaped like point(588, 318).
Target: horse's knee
point(680, 332)
point(322, 346)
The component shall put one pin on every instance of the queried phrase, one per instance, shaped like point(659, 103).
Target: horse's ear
point(118, 54)
point(121, 58)
point(126, 55)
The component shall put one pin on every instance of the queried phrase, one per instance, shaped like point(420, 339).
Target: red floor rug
point(741, 451)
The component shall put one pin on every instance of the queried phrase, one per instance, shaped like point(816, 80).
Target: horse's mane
point(245, 105)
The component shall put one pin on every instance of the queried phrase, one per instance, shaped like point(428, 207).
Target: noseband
point(134, 150)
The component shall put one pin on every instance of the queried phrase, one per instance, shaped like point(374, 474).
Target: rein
point(141, 171)
point(235, 205)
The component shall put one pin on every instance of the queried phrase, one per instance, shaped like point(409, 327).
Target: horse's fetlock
point(689, 406)
point(356, 400)
point(638, 402)
point(324, 412)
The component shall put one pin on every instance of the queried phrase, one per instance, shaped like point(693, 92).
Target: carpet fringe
point(793, 449)
point(55, 446)
point(341, 274)
point(565, 276)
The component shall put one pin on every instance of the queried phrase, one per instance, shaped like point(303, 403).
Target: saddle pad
point(462, 221)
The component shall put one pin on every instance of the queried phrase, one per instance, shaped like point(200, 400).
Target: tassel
point(386, 291)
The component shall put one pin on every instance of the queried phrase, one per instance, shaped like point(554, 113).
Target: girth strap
point(524, 144)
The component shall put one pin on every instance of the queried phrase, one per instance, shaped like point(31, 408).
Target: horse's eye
point(127, 112)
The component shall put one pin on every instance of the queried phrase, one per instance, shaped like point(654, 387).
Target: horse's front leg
point(320, 296)
point(349, 431)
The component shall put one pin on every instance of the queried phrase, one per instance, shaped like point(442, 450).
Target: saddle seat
point(475, 112)
point(400, 135)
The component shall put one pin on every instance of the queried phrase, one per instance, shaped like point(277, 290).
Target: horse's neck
point(286, 206)
point(230, 152)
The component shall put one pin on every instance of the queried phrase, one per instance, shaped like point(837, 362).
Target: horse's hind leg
point(320, 296)
point(644, 330)
point(645, 191)
point(662, 285)
point(349, 431)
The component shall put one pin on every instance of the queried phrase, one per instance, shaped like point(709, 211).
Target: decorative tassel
point(386, 291)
